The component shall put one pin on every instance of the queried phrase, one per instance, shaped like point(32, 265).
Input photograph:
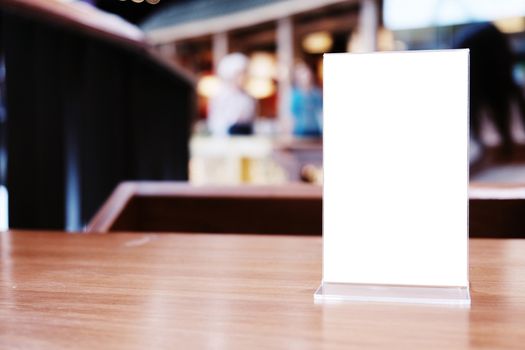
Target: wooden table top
point(180, 291)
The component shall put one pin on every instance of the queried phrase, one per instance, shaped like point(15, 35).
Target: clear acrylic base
point(454, 296)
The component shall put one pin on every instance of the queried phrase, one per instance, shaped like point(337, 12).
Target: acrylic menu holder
point(395, 202)
point(334, 292)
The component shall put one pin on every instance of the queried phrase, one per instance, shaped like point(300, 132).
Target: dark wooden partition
point(89, 105)
point(179, 207)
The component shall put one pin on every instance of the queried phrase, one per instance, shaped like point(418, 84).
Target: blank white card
point(396, 168)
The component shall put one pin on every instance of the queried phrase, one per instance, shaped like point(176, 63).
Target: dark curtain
point(83, 114)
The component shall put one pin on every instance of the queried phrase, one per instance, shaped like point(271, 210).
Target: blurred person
point(307, 103)
point(231, 110)
point(492, 87)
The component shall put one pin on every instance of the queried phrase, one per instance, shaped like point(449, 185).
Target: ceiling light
point(262, 65)
point(318, 42)
point(208, 85)
point(260, 88)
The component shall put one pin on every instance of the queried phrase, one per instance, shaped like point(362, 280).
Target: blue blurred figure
point(307, 104)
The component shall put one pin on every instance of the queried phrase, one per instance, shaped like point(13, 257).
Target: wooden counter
point(188, 291)
point(294, 209)
point(495, 210)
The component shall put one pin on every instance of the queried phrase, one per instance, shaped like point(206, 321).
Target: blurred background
point(218, 91)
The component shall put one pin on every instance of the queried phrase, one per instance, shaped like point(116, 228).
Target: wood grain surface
point(185, 291)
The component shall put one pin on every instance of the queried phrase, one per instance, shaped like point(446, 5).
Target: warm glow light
point(208, 85)
point(262, 65)
point(511, 25)
point(318, 42)
point(260, 88)
point(137, 1)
